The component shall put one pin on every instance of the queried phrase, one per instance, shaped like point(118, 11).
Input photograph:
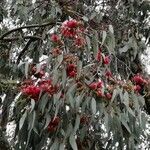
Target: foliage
point(88, 92)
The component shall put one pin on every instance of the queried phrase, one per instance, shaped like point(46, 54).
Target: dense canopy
point(71, 75)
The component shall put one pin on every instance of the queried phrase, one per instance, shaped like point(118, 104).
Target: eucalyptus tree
point(71, 75)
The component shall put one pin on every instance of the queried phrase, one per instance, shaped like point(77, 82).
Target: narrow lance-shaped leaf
point(73, 143)
point(21, 122)
point(103, 37)
point(93, 106)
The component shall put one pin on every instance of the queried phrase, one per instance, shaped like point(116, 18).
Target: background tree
point(89, 92)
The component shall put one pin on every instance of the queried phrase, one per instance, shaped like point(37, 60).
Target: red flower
point(31, 91)
point(108, 74)
point(96, 85)
point(108, 96)
point(93, 86)
point(71, 24)
point(99, 55)
point(72, 74)
point(99, 84)
point(137, 88)
point(55, 38)
point(68, 28)
point(139, 80)
point(53, 124)
point(55, 121)
point(46, 86)
point(84, 119)
point(51, 128)
point(106, 60)
point(68, 32)
point(56, 51)
point(99, 93)
point(71, 70)
point(79, 42)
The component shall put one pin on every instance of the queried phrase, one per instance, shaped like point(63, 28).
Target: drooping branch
point(11, 39)
point(52, 22)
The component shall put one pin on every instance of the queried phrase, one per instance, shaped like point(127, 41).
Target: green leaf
point(60, 59)
point(126, 98)
point(71, 100)
point(141, 101)
point(21, 122)
point(69, 130)
point(32, 105)
point(43, 102)
point(143, 120)
point(88, 41)
point(110, 40)
point(95, 42)
point(104, 37)
point(64, 77)
point(125, 124)
point(115, 93)
point(93, 106)
point(79, 100)
point(62, 146)
point(55, 76)
point(77, 123)
point(79, 68)
point(26, 69)
point(131, 111)
point(125, 48)
point(48, 118)
point(57, 108)
point(85, 18)
point(134, 46)
point(111, 29)
point(55, 145)
point(72, 141)
point(30, 126)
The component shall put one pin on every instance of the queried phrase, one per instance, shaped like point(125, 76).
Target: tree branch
point(10, 39)
point(52, 22)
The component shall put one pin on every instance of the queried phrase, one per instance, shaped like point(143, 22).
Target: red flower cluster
point(53, 124)
point(43, 86)
point(68, 28)
point(56, 51)
point(108, 96)
point(71, 28)
point(108, 74)
point(71, 70)
point(137, 88)
point(96, 85)
point(79, 42)
point(31, 91)
point(46, 86)
point(55, 38)
point(139, 82)
point(99, 55)
point(100, 93)
point(139, 79)
point(84, 119)
point(106, 60)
